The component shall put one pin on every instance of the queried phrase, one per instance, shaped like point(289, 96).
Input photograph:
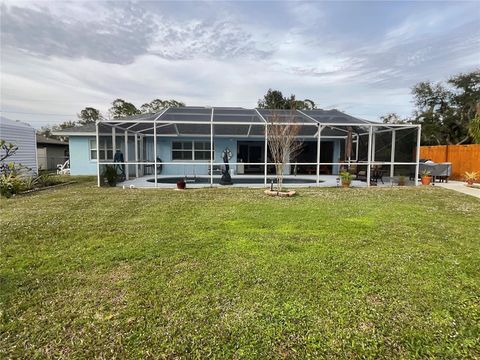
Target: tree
point(175, 103)
point(120, 108)
point(274, 99)
point(393, 118)
point(432, 112)
point(7, 150)
point(307, 104)
point(157, 105)
point(48, 129)
point(466, 98)
point(65, 125)
point(446, 111)
point(283, 143)
point(466, 93)
point(474, 127)
point(89, 115)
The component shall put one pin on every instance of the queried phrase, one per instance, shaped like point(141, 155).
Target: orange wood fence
point(463, 157)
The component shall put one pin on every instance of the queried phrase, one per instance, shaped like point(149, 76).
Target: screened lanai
point(190, 143)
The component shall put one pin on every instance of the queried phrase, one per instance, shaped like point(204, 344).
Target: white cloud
point(61, 57)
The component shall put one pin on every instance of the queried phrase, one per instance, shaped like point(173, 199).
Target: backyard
point(231, 273)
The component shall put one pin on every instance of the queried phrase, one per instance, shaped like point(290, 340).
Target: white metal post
point(126, 155)
point(211, 149)
point(266, 154)
point(320, 128)
point(356, 148)
point(417, 158)
point(155, 151)
point(114, 140)
point(136, 155)
point(373, 146)
point(369, 158)
point(142, 171)
point(98, 154)
point(392, 155)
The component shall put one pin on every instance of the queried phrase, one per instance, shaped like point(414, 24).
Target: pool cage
point(332, 141)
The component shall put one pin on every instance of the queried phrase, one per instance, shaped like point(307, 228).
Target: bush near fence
point(463, 157)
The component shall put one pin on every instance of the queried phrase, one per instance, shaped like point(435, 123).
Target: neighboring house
point(186, 138)
point(23, 136)
point(51, 152)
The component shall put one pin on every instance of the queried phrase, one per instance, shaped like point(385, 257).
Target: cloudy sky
point(359, 57)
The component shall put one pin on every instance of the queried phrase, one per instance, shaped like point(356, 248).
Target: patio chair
point(360, 175)
point(377, 174)
point(63, 169)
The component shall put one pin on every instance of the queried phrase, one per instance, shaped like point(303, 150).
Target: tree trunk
point(279, 169)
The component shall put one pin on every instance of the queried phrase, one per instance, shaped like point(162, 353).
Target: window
point(105, 149)
point(93, 149)
point(202, 150)
point(191, 150)
point(182, 150)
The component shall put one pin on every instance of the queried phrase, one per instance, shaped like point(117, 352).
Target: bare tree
point(283, 142)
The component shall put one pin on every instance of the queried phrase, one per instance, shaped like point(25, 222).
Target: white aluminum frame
point(157, 123)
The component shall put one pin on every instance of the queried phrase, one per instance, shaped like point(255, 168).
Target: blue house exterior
point(81, 162)
point(81, 142)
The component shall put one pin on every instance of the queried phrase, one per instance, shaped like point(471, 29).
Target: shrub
point(45, 180)
point(346, 178)
point(470, 177)
point(29, 182)
point(110, 174)
point(10, 184)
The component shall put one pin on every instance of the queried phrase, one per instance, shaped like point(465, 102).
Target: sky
point(359, 57)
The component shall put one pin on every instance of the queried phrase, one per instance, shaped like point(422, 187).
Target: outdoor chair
point(360, 173)
point(377, 174)
point(63, 169)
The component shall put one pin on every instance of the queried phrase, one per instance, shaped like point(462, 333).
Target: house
point(50, 153)
point(21, 135)
point(190, 142)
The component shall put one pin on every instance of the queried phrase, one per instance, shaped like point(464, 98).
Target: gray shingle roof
point(89, 128)
point(44, 140)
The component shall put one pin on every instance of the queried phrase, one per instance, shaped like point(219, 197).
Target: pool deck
point(326, 181)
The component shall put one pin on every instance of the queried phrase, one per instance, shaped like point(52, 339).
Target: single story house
point(191, 142)
point(21, 135)
point(50, 153)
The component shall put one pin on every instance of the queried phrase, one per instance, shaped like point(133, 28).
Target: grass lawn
point(231, 273)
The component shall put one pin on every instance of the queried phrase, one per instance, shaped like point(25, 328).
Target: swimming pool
point(237, 180)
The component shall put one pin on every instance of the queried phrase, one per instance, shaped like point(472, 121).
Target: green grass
point(232, 273)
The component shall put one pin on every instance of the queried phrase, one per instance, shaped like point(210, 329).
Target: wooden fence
point(463, 157)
